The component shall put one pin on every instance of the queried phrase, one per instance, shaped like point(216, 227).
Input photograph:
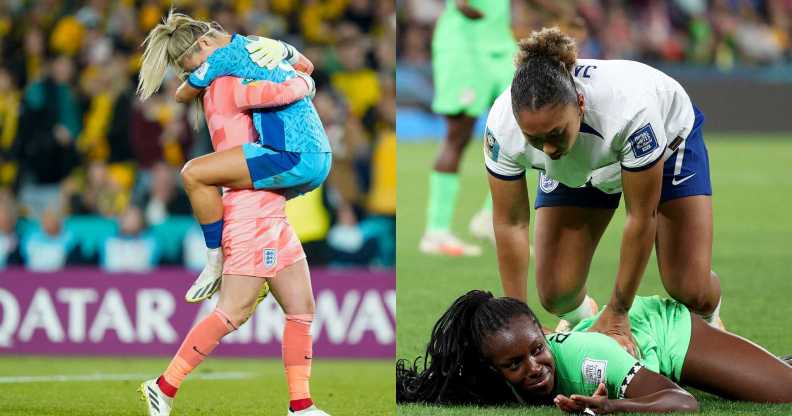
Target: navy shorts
point(685, 173)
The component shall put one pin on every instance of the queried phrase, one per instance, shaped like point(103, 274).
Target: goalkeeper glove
point(266, 52)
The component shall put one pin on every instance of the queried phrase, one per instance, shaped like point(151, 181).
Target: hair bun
point(548, 43)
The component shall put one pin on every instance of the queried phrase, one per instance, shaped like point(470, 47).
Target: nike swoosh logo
point(199, 352)
point(676, 182)
point(307, 357)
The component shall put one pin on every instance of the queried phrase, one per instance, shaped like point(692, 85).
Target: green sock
point(443, 189)
point(487, 203)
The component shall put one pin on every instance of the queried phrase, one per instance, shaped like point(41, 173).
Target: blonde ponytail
point(167, 44)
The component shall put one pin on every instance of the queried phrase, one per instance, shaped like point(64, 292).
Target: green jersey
point(661, 328)
point(490, 34)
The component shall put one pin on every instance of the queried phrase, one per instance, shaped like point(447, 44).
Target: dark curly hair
point(542, 76)
point(454, 370)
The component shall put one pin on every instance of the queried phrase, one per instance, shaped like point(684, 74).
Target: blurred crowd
point(90, 175)
point(721, 34)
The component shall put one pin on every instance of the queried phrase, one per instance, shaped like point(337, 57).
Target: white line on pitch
point(228, 375)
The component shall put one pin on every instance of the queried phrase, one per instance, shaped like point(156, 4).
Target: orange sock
point(199, 343)
point(297, 356)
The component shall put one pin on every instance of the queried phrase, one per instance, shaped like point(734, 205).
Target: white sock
point(583, 311)
point(715, 315)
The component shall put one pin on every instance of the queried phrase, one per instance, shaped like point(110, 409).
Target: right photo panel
point(593, 207)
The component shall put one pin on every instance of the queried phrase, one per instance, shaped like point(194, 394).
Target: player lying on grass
point(292, 154)
point(493, 351)
point(597, 129)
point(260, 246)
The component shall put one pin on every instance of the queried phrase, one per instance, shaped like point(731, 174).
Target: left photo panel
point(197, 207)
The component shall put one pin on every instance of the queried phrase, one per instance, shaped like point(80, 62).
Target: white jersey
point(631, 113)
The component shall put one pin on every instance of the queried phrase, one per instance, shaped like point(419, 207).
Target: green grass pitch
point(341, 387)
point(752, 181)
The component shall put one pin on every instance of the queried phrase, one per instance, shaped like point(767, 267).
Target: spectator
point(9, 243)
point(132, 250)
point(9, 118)
point(49, 125)
point(48, 249)
point(164, 198)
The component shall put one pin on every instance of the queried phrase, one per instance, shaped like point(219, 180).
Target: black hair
point(454, 368)
point(542, 76)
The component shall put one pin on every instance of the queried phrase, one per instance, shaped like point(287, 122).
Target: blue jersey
point(295, 127)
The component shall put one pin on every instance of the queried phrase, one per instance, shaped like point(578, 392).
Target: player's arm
point(186, 93)
point(262, 94)
point(303, 64)
point(511, 215)
point(642, 175)
point(201, 77)
point(647, 392)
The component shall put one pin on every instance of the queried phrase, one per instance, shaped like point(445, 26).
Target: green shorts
point(661, 328)
point(467, 82)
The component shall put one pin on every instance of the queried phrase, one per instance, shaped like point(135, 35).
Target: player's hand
point(616, 326)
point(468, 11)
point(311, 84)
point(266, 52)
point(597, 404)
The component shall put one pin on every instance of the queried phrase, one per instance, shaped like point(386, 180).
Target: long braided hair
point(455, 370)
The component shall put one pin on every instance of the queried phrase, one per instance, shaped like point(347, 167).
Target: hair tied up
point(547, 44)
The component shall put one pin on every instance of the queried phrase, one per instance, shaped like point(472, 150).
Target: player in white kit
point(596, 129)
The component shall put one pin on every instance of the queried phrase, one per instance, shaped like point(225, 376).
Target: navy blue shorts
point(685, 173)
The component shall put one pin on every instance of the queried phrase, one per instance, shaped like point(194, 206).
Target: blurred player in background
point(260, 246)
point(292, 154)
point(472, 61)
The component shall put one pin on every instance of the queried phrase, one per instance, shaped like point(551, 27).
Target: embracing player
point(259, 245)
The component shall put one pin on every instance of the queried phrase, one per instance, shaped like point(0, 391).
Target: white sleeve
point(498, 163)
point(645, 141)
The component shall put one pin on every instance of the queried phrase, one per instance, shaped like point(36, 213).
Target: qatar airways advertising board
point(85, 311)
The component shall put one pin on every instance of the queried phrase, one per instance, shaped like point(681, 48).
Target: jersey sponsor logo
point(491, 145)
point(201, 71)
point(594, 370)
point(270, 256)
point(546, 183)
point(643, 141)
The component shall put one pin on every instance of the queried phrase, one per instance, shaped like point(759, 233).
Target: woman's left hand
point(597, 404)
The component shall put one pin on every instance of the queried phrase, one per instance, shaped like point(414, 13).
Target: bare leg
point(292, 289)
point(733, 367)
point(202, 176)
point(460, 128)
point(565, 240)
point(238, 297)
point(685, 226)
